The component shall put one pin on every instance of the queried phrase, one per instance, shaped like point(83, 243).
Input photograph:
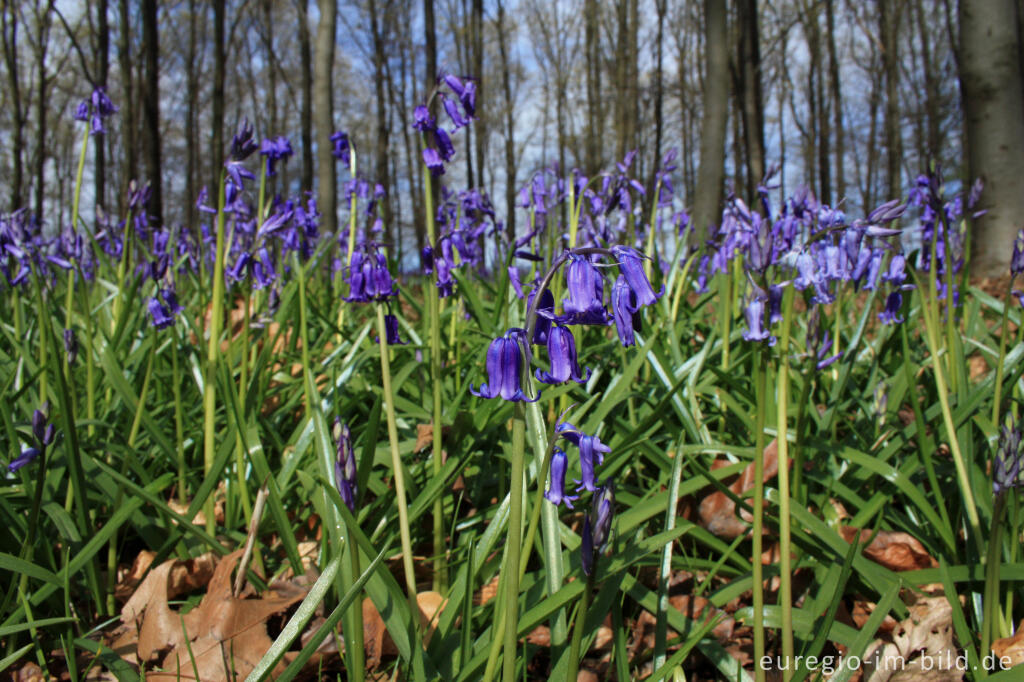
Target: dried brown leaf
point(895, 550)
point(1009, 651)
point(718, 512)
point(921, 648)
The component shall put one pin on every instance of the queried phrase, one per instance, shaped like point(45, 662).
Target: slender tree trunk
point(383, 143)
point(18, 114)
point(306, 107)
point(752, 104)
point(510, 145)
point(837, 102)
point(429, 81)
point(323, 111)
point(659, 90)
point(888, 18)
point(592, 47)
point(102, 74)
point(480, 125)
point(621, 77)
point(42, 104)
point(151, 109)
point(191, 115)
point(711, 172)
point(219, 68)
point(931, 86)
point(991, 82)
point(128, 108)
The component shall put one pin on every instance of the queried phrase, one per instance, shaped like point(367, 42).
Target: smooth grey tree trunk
point(711, 173)
point(990, 78)
point(323, 113)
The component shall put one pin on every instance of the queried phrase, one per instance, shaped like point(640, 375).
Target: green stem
point(577, 629)
point(661, 627)
point(510, 574)
point(396, 464)
point(998, 392)
point(782, 439)
point(990, 611)
point(179, 430)
point(760, 382)
point(212, 357)
point(440, 580)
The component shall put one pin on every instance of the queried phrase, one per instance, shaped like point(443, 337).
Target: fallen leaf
point(921, 647)
point(1011, 648)
point(895, 550)
point(718, 512)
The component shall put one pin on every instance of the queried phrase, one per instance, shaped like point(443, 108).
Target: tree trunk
point(377, 25)
point(714, 120)
point(129, 126)
point(510, 145)
point(931, 88)
point(102, 73)
point(323, 111)
point(306, 107)
point(659, 91)
point(217, 124)
point(592, 35)
point(191, 127)
point(837, 101)
point(480, 125)
point(751, 94)
point(9, 18)
point(991, 82)
point(42, 104)
point(429, 81)
point(151, 109)
point(888, 18)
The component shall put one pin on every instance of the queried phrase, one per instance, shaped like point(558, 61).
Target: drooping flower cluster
point(1006, 470)
point(95, 109)
point(460, 105)
point(345, 473)
point(43, 434)
point(597, 526)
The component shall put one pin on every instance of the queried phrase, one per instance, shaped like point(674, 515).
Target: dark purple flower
point(591, 448)
point(422, 120)
point(1017, 261)
point(1006, 470)
point(161, 317)
point(452, 109)
point(82, 111)
point(562, 355)
point(504, 369)
point(24, 458)
point(444, 145)
point(892, 309)
point(277, 149)
point(597, 526)
point(391, 329)
point(70, 346)
point(631, 266)
point(624, 306)
point(545, 314)
point(755, 321)
point(555, 493)
point(342, 147)
point(41, 428)
point(585, 288)
point(345, 474)
point(445, 284)
point(242, 143)
point(433, 161)
point(517, 284)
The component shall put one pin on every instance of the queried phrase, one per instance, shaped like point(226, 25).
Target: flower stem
point(761, 387)
point(990, 611)
point(510, 573)
point(396, 464)
point(998, 391)
point(577, 629)
point(212, 356)
point(785, 568)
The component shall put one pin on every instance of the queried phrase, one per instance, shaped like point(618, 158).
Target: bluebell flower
point(592, 452)
point(26, 456)
point(631, 267)
point(277, 149)
point(1017, 260)
point(1006, 470)
point(624, 307)
point(586, 291)
point(242, 143)
point(391, 329)
point(433, 161)
point(517, 284)
point(562, 355)
point(445, 284)
point(597, 527)
point(504, 369)
point(342, 147)
point(555, 493)
point(43, 433)
point(545, 315)
point(70, 346)
point(161, 316)
point(345, 473)
point(891, 314)
point(754, 313)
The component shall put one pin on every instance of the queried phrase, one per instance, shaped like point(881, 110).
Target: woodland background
point(853, 99)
